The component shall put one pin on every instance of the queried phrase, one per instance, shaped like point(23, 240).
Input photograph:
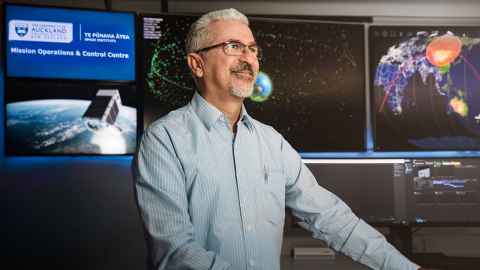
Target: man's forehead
point(223, 30)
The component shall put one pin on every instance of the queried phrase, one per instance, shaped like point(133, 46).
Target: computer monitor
point(443, 191)
point(404, 192)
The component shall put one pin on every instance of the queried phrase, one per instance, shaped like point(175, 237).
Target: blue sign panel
point(70, 44)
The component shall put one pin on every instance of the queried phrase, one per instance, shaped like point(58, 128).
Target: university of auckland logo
point(40, 31)
point(21, 29)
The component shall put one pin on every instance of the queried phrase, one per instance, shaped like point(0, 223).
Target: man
point(212, 182)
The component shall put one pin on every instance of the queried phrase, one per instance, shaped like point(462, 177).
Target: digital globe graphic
point(168, 83)
point(262, 89)
point(426, 88)
point(56, 126)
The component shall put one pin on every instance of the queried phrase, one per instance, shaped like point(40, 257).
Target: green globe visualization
point(262, 89)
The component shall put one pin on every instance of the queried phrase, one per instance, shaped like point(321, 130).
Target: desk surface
point(340, 262)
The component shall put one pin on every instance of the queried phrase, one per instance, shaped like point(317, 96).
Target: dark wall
point(69, 213)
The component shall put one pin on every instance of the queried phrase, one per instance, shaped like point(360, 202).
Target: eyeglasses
point(234, 48)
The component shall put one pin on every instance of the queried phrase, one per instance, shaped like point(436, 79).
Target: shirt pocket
point(272, 196)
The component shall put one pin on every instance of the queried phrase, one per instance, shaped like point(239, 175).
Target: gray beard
point(242, 93)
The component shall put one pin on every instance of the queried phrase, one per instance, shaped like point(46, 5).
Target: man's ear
point(196, 64)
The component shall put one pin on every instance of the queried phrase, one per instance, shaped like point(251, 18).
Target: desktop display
point(439, 191)
point(443, 190)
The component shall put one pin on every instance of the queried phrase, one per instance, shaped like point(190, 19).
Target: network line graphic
point(450, 183)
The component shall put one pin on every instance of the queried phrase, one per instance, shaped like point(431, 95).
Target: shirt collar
point(209, 114)
point(246, 118)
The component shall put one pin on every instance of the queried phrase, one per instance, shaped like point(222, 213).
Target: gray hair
point(197, 37)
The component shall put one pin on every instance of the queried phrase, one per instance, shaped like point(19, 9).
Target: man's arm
point(163, 204)
point(331, 220)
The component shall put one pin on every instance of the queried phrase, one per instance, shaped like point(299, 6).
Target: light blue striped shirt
point(212, 199)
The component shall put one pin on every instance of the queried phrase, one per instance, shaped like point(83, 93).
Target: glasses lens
point(258, 52)
point(238, 48)
point(253, 49)
point(234, 48)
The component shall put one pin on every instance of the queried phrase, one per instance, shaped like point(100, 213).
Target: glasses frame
point(224, 45)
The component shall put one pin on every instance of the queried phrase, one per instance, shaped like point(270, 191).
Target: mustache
point(243, 66)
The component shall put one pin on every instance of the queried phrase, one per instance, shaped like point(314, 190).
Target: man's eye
point(234, 46)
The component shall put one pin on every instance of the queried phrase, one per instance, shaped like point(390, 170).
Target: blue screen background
point(74, 67)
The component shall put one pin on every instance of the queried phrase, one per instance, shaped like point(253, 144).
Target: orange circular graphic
point(443, 50)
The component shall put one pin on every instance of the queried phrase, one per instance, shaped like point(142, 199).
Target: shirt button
point(249, 227)
point(251, 262)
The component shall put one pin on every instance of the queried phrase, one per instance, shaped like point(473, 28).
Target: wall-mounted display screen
point(64, 118)
point(425, 87)
point(310, 88)
point(71, 44)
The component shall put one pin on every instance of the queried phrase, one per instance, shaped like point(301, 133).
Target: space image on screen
point(310, 87)
point(47, 42)
point(45, 117)
point(425, 88)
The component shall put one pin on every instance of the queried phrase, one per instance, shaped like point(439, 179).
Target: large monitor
point(425, 88)
point(310, 88)
point(49, 42)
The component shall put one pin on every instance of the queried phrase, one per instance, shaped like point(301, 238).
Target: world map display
point(425, 88)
